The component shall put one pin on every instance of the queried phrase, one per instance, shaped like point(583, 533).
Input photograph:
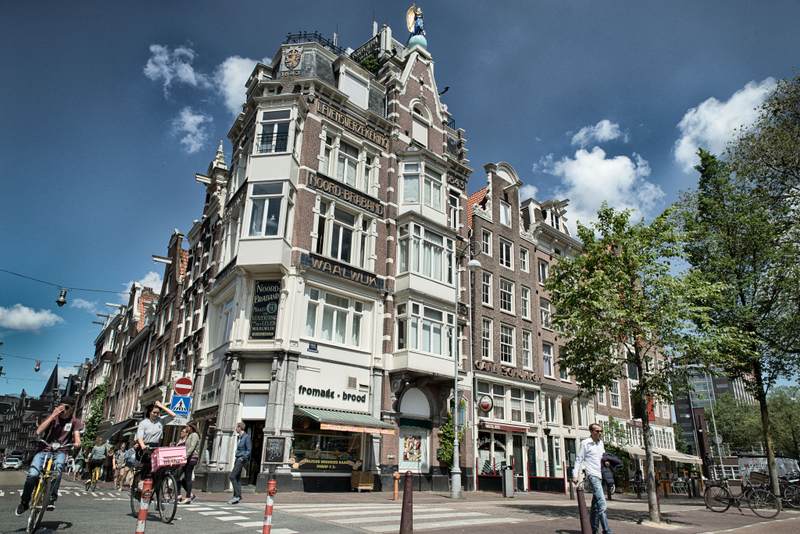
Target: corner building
point(332, 324)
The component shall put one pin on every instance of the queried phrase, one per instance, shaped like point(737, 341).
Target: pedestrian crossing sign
point(181, 405)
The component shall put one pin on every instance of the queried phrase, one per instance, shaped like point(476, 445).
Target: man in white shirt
point(589, 458)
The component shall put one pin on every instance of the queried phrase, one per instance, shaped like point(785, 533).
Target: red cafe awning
point(503, 427)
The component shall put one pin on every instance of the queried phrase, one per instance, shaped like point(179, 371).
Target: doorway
point(551, 459)
point(519, 464)
point(256, 431)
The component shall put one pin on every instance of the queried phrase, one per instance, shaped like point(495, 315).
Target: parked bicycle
point(165, 488)
point(790, 490)
point(719, 498)
point(44, 488)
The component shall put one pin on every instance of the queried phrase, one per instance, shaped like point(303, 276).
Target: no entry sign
point(183, 386)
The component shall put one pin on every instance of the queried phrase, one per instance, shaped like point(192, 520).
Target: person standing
point(610, 463)
point(119, 466)
point(243, 451)
point(192, 456)
point(60, 427)
point(589, 459)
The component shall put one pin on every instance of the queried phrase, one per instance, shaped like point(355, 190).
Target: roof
point(475, 198)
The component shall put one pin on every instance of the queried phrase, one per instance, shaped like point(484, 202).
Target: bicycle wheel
point(39, 502)
point(764, 503)
point(791, 496)
point(167, 497)
point(135, 495)
point(717, 498)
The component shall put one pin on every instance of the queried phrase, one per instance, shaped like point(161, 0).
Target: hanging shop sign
point(485, 403)
point(504, 370)
point(340, 270)
point(266, 300)
point(354, 125)
point(344, 192)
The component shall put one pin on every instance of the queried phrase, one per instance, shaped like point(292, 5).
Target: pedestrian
point(120, 469)
point(610, 463)
point(638, 483)
point(192, 456)
point(243, 450)
point(96, 460)
point(588, 459)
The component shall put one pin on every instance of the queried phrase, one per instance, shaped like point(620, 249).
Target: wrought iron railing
point(313, 37)
point(273, 142)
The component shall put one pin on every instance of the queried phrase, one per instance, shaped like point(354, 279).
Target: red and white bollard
point(272, 489)
point(144, 505)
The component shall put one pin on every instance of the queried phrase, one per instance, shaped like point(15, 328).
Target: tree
point(446, 434)
point(619, 303)
point(737, 423)
point(95, 413)
point(738, 232)
point(784, 405)
point(680, 440)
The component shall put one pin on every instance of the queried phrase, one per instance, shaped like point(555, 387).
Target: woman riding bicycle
point(150, 431)
point(96, 460)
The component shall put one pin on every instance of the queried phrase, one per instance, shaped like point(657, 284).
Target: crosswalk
point(376, 517)
point(77, 492)
point(239, 515)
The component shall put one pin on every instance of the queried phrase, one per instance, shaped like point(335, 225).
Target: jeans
point(186, 481)
point(37, 466)
point(599, 512)
point(236, 475)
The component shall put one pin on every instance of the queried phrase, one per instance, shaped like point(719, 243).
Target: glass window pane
point(256, 216)
point(273, 115)
point(356, 339)
point(411, 188)
point(347, 244)
point(273, 216)
point(341, 325)
point(311, 318)
point(270, 188)
point(327, 323)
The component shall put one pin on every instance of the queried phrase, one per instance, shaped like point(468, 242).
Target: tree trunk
point(762, 401)
point(650, 468)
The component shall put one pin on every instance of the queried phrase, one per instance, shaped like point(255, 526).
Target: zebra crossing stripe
point(371, 511)
point(442, 524)
point(216, 512)
point(417, 517)
point(232, 518)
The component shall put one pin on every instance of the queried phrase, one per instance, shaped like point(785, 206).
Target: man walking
point(243, 450)
point(589, 458)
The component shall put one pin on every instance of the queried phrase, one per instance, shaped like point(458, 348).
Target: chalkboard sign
point(264, 319)
point(274, 453)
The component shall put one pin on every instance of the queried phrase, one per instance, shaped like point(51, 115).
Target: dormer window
point(420, 122)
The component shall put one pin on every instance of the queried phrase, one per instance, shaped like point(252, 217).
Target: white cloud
point(174, 66)
point(192, 127)
point(712, 124)
point(19, 317)
point(229, 80)
point(83, 304)
point(603, 131)
point(590, 178)
point(152, 280)
point(528, 191)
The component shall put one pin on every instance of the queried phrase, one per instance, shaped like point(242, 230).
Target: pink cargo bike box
point(168, 457)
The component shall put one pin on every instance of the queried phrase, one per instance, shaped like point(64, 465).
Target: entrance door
point(551, 460)
point(519, 465)
point(256, 431)
point(531, 457)
point(569, 445)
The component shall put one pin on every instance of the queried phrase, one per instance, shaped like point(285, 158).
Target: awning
point(505, 428)
point(633, 450)
point(116, 429)
point(346, 421)
point(679, 457)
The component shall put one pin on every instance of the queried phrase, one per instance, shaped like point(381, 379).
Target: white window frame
point(525, 301)
point(618, 394)
point(547, 356)
point(435, 184)
point(502, 293)
point(530, 403)
point(453, 209)
point(416, 244)
point(505, 213)
point(417, 318)
point(527, 349)
point(271, 127)
point(487, 339)
point(362, 236)
point(545, 313)
point(506, 254)
point(508, 342)
point(486, 242)
point(355, 315)
point(524, 259)
point(487, 286)
point(601, 396)
point(285, 192)
point(520, 402)
point(544, 271)
point(420, 124)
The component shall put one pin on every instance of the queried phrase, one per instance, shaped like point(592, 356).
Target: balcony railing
point(272, 142)
point(313, 37)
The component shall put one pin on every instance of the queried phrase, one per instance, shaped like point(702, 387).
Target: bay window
point(507, 344)
point(421, 182)
point(274, 135)
point(266, 201)
point(344, 235)
point(425, 252)
point(411, 183)
point(335, 318)
point(426, 329)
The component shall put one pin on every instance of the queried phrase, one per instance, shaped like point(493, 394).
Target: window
point(506, 296)
point(347, 165)
point(355, 88)
point(516, 404)
point(601, 396)
point(530, 407)
point(544, 313)
point(486, 242)
point(344, 235)
point(499, 401)
point(331, 317)
point(453, 208)
point(583, 414)
point(566, 411)
point(427, 253)
point(419, 125)
point(432, 189)
point(544, 271)
point(563, 371)
point(550, 414)
point(557, 452)
point(506, 254)
point(411, 183)
point(274, 132)
point(524, 259)
point(547, 359)
point(527, 340)
point(615, 401)
point(525, 302)
point(426, 329)
point(486, 288)
point(505, 213)
point(506, 344)
point(265, 211)
point(486, 339)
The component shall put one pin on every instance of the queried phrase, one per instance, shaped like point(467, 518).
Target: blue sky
point(109, 108)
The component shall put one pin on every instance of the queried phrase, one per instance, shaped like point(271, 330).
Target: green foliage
point(95, 414)
point(680, 440)
point(446, 435)
point(739, 424)
point(615, 432)
point(784, 407)
point(371, 64)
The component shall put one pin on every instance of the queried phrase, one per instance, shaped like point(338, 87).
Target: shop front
point(502, 446)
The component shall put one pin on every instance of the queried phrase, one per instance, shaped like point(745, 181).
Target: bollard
point(407, 516)
point(396, 492)
point(144, 505)
point(583, 513)
point(272, 489)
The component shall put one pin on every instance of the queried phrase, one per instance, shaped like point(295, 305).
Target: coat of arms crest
point(291, 58)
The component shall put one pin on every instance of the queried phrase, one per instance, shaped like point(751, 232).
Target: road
point(108, 511)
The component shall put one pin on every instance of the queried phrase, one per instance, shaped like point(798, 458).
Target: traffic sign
point(183, 386)
point(181, 405)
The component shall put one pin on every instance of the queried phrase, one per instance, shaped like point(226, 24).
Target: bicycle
point(680, 487)
point(718, 498)
point(94, 476)
point(790, 490)
point(44, 488)
point(165, 488)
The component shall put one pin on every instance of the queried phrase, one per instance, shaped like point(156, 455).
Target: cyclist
point(96, 459)
point(150, 431)
point(62, 427)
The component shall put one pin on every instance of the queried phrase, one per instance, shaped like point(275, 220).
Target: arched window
point(420, 122)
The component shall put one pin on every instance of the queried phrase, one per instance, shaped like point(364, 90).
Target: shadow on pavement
point(627, 516)
point(47, 527)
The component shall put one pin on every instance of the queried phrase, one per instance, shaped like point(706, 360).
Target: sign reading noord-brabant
point(351, 123)
point(264, 316)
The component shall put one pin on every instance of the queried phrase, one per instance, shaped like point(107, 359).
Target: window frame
point(413, 242)
point(525, 301)
point(505, 212)
point(286, 192)
point(487, 289)
point(356, 308)
point(524, 259)
point(547, 356)
point(545, 314)
point(362, 233)
point(618, 394)
point(510, 293)
point(505, 253)
point(487, 343)
point(543, 271)
point(414, 320)
point(527, 361)
point(274, 124)
point(486, 242)
point(508, 339)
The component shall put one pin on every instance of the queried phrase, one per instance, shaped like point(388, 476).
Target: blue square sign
point(181, 405)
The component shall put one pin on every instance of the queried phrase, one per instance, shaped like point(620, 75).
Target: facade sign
point(345, 192)
point(504, 370)
point(324, 385)
point(266, 299)
point(341, 270)
point(354, 125)
point(485, 403)
point(457, 181)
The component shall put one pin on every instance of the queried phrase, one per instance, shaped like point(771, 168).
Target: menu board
point(275, 446)
point(266, 300)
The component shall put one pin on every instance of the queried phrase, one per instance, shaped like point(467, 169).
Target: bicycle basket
point(757, 478)
point(168, 457)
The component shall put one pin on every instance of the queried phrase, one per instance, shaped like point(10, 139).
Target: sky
point(107, 109)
